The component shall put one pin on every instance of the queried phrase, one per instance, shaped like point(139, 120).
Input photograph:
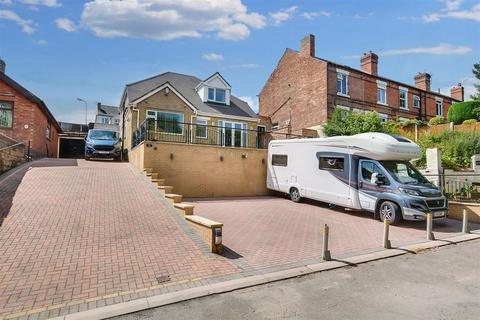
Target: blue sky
point(64, 49)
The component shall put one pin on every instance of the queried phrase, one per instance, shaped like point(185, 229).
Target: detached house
point(178, 108)
point(303, 90)
point(25, 118)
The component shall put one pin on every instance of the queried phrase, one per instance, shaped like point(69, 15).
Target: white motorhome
point(368, 171)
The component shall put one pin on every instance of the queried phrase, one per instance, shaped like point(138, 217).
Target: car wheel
point(295, 195)
point(87, 158)
point(390, 211)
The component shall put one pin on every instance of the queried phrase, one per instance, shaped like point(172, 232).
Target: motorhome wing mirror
point(374, 178)
point(381, 180)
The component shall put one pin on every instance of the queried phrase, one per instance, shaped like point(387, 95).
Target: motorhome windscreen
point(404, 172)
point(331, 163)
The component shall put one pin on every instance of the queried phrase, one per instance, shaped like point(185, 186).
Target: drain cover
point(163, 279)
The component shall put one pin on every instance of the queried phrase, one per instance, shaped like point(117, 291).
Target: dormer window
point(216, 95)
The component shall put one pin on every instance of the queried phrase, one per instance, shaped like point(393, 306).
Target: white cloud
point(442, 49)
point(170, 19)
point(212, 57)
point(362, 16)
point(451, 10)
point(41, 42)
point(66, 24)
point(26, 25)
point(6, 2)
point(47, 3)
point(283, 15)
point(313, 15)
point(252, 102)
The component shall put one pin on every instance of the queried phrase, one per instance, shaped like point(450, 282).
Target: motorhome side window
point(331, 163)
point(279, 160)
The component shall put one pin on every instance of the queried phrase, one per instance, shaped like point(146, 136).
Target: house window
point(439, 106)
point(342, 83)
point(403, 93)
point(331, 163)
point(216, 95)
point(48, 131)
point(116, 121)
point(416, 101)
point(166, 122)
point(279, 160)
point(233, 134)
point(201, 128)
point(104, 120)
point(6, 114)
point(383, 117)
point(274, 126)
point(382, 92)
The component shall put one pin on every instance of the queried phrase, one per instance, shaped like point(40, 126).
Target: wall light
point(171, 156)
point(221, 158)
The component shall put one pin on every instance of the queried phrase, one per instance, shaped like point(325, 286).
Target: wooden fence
point(414, 132)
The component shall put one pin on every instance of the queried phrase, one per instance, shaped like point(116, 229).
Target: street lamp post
point(86, 105)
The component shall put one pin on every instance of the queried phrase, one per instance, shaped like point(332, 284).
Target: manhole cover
point(163, 279)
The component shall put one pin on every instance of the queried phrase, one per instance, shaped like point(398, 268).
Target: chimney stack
point(369, 63)
point(307, 46)
point(422, 81)
point(3, 65)
point(457, 92)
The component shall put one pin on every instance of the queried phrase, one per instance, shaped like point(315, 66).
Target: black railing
point(235, 135)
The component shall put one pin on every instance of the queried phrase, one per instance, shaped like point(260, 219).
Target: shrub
point(462, 111)
point(457, 148)
point(470, 121)
point(437, 120)
point(412, 122)
point(347, 123)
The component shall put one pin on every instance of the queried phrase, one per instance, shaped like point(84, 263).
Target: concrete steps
point(165, 189)
point(159, 182)
point(173, 198)
point(184, 208)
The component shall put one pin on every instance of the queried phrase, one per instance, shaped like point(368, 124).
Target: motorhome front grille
point(104, 148)
point(439, 203)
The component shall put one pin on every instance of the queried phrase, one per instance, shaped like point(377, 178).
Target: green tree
point(476, 73)
point(347, 123)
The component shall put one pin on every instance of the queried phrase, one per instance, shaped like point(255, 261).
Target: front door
point(233, 134)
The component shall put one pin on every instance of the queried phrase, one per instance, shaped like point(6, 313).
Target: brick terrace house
point(303, 91)
point(24, 117)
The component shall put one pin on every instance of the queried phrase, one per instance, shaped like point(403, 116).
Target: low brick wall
point(206, 232)
point(10, 157)
point(205, 171)
point(455, 210)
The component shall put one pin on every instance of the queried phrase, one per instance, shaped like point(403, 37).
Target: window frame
point(382, 85)
point(416, 98)
point(147, 116)
point(197, 120)
point(11, 109)
point(343, 75)
point(215, 95)
point(439, 102)
point(283, 164)
point(400, 99)
point(331, 169)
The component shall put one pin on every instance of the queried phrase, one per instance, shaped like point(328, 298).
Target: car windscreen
point(404, 172)
point(103, 135)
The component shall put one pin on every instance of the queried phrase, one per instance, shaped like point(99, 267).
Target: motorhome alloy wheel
point(389, 211)
point(295, 195)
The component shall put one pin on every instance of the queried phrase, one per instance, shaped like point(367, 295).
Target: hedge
point(462, 111)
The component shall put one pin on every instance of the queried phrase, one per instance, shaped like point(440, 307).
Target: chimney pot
point(369, 63)
point(307, 46)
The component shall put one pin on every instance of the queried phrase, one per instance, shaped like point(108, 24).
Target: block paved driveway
point(76, 230)
point(270, 231)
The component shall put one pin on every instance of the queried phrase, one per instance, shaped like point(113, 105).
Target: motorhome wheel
point(295, 195)
point(390, 211)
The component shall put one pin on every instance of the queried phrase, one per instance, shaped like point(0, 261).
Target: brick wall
point(295, 92)
point(29, 124)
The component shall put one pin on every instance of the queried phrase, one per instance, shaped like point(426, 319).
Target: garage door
point(72, 148)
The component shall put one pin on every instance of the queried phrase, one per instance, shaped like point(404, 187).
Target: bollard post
point(325, 252)
point(386, 241)
point(465, 228)
point(430, 235)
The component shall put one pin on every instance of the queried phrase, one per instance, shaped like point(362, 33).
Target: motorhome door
point(371, 182)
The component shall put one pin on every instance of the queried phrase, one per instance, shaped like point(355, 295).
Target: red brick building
point(24, 117)
point(303, 91)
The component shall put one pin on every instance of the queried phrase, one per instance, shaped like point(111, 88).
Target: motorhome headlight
point(410, 192)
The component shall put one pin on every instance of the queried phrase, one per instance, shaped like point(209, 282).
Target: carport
point(71, 143)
